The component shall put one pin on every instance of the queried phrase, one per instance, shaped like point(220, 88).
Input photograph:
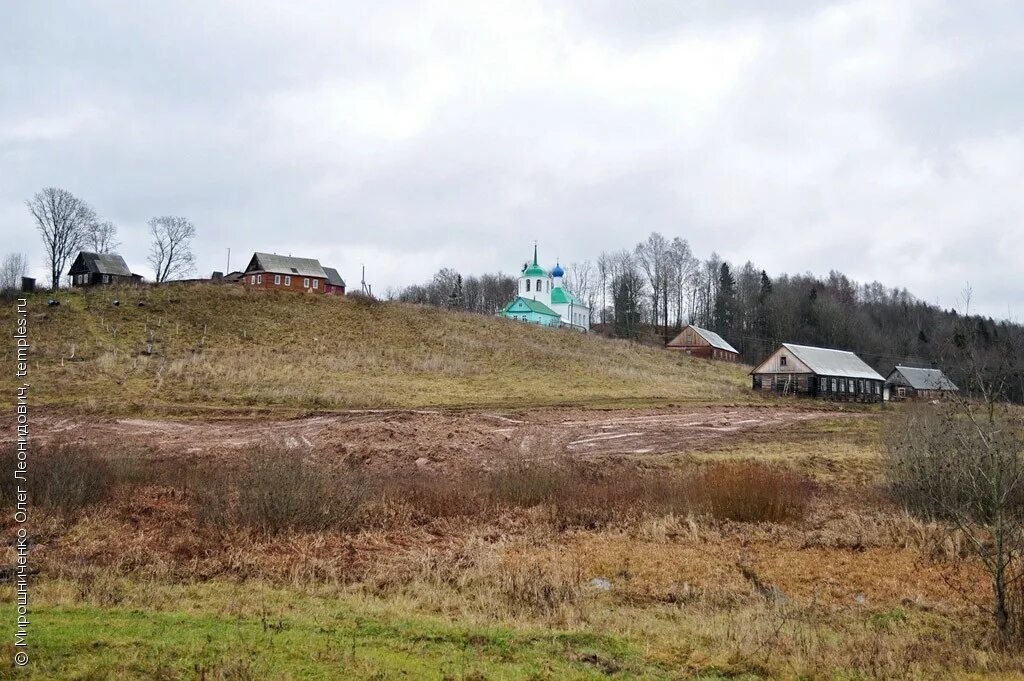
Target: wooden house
point(699, 342)
point(818, 372)
point(907, 383)
point(272, 271)
point(96, 269)
point(335, 284)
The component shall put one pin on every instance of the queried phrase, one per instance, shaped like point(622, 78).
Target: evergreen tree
point(725, 301)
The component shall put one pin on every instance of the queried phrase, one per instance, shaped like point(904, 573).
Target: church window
point(527, 285)
point(538, 286)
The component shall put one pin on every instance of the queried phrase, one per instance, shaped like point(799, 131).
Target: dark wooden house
point(818, 372)
point(335, 284)
point(96, 269)
point(907, 383)
point(699, 342)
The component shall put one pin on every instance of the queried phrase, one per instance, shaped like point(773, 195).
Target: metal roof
point(714, 339)
point(560, 295)
point(828, 362)
point(333, 277)
point(102, 263)
point(533, 306)
point(286, 264)
point(925, 379)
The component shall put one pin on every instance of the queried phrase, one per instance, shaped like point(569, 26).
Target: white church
point(543, 299)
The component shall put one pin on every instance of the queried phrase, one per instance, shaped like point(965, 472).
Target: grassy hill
point(192, 347)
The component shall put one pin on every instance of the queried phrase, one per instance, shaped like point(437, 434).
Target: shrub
point(63, 479)
point(751, 493)
point(277, 490)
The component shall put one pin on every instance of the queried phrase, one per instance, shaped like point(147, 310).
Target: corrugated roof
point(286, 264)
point(333, 277)
point(105, 263)
point(714, 339)
point(828, 362)
point(533, 305)
point(926, 379)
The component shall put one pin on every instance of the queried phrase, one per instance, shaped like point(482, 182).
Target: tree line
point(68, 224)
point(649, 292)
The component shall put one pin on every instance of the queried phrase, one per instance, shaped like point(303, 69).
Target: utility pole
point(228, 270)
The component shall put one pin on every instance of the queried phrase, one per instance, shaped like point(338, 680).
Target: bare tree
point(12, 269)
point(963, 463)
point(101, 237)
point(171, 251)
point(62, 219)
point(580, 278)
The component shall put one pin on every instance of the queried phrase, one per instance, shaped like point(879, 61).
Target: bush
point(277, 490)
point(63, 479)
point(751, 493)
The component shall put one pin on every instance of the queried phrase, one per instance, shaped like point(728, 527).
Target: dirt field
point(431, 438)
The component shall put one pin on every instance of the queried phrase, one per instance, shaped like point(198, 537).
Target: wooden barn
point(818, 372)
point(907, 383)
point(96, 269)
point(699, 342)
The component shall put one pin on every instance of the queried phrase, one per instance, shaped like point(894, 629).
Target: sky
point(881, 139)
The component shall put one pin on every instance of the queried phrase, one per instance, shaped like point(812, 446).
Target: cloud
point(876, 138)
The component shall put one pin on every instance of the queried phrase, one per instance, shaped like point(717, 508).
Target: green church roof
point(560, 295)
point(532, 305)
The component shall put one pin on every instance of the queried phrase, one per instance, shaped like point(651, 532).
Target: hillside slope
point(192, 347)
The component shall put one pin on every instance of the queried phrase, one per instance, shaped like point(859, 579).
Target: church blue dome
point(558, 271)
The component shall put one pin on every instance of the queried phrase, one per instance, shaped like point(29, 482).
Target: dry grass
point(188, 348)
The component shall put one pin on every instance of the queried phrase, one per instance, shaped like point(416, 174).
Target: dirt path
point(444, 438)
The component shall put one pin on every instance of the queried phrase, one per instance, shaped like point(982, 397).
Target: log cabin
point(97, 269)
point(823, 373)
point(699, 342)
point(908, 383)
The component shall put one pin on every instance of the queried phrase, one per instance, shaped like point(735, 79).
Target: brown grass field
point(192, 348)
point(628, 514)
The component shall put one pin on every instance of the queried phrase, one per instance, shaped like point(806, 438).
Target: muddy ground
point(442, 439)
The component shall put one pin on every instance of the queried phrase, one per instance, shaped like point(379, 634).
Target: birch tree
point(62, 220)
point(170, 254)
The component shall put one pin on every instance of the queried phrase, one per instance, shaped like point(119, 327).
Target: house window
point(853, 386)
point(305, 282)
point(833, 385)
point(287, 280)
point(259, 278)
point(316, 283)
point(277, 280)
point(782, 361)
point(254, 278)
point(106, 279)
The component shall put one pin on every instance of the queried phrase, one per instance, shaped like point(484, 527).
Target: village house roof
point(533, 306)
point(100, 263)
point(286, 264)
point(924, 379)
point(828, 362)
point(713, 339)
point(333, 277)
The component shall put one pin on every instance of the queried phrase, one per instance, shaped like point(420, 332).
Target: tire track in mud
point(441, 438)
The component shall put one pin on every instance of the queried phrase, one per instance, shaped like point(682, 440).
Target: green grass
point(227, 348)
point(291, 635)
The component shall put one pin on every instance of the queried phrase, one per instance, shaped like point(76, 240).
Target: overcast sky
point(883, 139)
